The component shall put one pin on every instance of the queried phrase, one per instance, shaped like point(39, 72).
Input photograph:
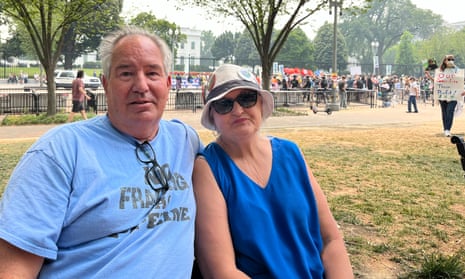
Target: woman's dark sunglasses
point(245, 99)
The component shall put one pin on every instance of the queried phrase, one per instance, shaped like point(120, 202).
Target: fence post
point(35, 99)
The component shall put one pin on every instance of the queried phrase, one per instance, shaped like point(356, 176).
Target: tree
point(245, 51)
point(12, 46)
point(297, 51)
point(385, 22)
point(259, 17)
point(442, 43)
point(84, 36)
point(405, 58)
point(47, 22)
point(324, 48)
point(208, 39)
point(224, 45)
point(166, 30)
point(206, 61)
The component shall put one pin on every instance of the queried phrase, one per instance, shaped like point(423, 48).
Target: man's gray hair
point(108, 43)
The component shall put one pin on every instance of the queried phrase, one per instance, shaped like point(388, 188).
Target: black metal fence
point(35, 100)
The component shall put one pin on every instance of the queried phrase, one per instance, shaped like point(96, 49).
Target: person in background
point(350, 82)
point(342, 86)
point(307, 85)
point(285, 82)
point(178, 82)
point(295, 82)
point(79, 95)
point(448, 102)
point(358, 82)
point(429, 70)
point(260, 210)
point(109, 197)
point(429, 76)
point(413, 90)
point(274, 83)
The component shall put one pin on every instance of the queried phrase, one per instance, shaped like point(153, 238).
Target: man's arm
point(83, 92)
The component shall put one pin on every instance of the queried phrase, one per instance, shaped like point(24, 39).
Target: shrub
point(438, 266)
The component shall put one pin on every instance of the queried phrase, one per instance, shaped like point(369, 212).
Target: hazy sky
point(196, 19)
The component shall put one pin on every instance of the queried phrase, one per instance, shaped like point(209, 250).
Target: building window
point(192, 45)
point(182, 45)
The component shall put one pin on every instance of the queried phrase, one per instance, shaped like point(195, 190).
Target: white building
point(188, 53)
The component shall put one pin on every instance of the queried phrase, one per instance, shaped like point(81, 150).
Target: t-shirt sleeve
point(33, 205)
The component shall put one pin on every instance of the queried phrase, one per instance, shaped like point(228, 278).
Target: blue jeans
point(343, 99)
point(412, 100)
point(447, 111)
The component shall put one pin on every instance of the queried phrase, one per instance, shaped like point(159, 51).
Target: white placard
point(448, 84)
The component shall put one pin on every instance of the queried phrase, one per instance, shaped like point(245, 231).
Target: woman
point(260, 210)
point(447, 101)
point(411, 88)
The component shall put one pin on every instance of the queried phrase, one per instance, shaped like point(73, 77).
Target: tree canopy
point(298, 49)
point(47, 22)
point(260, 18)
point(324, 48)
point(168, 31)
point(84, 36)
point(385, 22)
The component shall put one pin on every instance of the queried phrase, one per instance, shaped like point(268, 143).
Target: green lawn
point(396, 192)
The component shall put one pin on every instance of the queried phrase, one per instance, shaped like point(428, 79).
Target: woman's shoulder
point(282, 142)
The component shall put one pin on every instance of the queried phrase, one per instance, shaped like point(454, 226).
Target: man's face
point(137, 88)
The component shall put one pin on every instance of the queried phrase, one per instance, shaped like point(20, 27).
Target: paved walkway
point(357, 116)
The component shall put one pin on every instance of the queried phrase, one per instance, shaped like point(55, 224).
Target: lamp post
point(334, 104)
point(3, 62)
point(3, 55)
point(374, 48)
point(189, 64)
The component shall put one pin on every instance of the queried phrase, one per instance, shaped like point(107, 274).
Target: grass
point(32, 119)
point(396, 192)
point(35, 70)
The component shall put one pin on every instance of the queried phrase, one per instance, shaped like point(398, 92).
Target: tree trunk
point(68, 61)
point(51, 103)
point(266, 74)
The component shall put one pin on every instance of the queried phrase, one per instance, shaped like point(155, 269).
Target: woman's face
point(449, 61)
point(241, 119)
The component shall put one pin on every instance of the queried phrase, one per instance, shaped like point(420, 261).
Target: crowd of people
point(21, 78)
point(384, 87)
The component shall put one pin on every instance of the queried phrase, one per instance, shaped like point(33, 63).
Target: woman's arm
point(213, 245)
point(18, 264)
